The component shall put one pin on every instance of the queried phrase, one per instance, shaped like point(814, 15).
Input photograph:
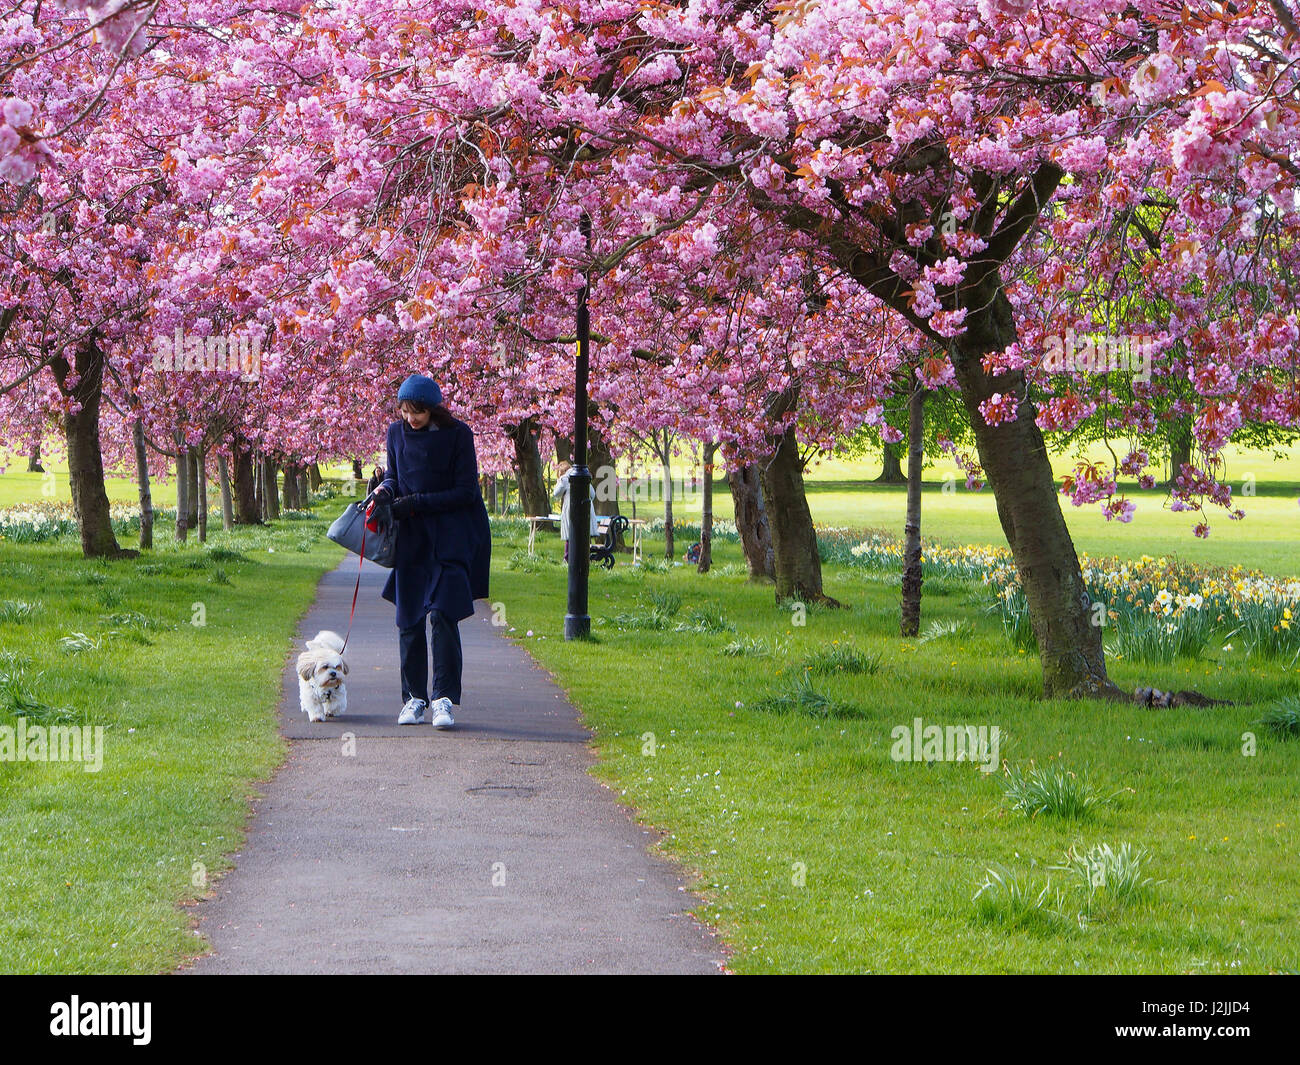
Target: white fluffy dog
point(321, 670)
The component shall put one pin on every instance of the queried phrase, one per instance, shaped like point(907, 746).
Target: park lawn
point(94, 864)
point(841, 494)
point(1268, 539)
point(892, 853)
point(17, 486)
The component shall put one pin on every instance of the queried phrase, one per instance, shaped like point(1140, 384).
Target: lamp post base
point(577, 626)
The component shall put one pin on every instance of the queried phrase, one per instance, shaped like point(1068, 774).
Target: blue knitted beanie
point(420, 389)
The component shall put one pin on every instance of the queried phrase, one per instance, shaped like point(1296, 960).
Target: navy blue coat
point(444, 547)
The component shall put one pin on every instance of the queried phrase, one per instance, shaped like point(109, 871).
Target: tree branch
point(29, 374)
point(1019, 219)
point(1285, 16)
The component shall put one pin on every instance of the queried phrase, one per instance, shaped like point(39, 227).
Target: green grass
point(93, 865)
point(17, 486)
point(800, 695)
point(841, 658)
point(1113, 873)
point(841, 493)
point(1090, 885)
point(1053, 791)
point(814, 851)
point(772, 777)
point(1283, 720)
point(1015, 901)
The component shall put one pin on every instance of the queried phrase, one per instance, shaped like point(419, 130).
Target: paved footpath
point(483, 849)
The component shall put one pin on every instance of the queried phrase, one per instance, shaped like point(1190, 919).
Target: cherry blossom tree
point(791, 206)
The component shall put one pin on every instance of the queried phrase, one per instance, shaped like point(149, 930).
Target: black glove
point(381, 509)
point(404, 507)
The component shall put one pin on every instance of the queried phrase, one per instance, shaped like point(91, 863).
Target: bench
point(602, 528)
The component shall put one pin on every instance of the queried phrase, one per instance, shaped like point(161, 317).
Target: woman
point(444, 545)
point(564, 469)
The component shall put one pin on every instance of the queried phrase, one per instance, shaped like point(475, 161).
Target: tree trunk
point(358, 474)
point(272, 494)
point(314, 477)
point(259, 471)
point(192, 472)
point(259, 508)
point(564, 449)
point(182, 489)
point(34, 459)
point(290, 489)
point(1015, 460)
point(528, 467)
point(893, 472)
point(1180, 447)
point(85, 459)
point(245, 495)
point(665, 458)
point(142, 479)
point(751, 521)
point(201, 460)
point(796, 563)
point(604, 476)
point(706, 519)
point(910, 624)
point(227, 504)
point(304, 489)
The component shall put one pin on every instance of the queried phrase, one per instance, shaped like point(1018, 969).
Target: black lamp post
point(577, 622)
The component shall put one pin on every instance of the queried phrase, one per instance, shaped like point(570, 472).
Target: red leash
point(361, 561)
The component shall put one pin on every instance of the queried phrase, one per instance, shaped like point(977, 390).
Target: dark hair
point(438, 414)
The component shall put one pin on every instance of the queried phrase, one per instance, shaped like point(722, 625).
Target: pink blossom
point(998, 409)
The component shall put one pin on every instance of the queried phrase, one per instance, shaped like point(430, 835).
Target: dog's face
point(322, 668)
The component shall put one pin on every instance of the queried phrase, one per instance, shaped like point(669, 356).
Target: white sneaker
point(442, 713)
point(412, 713)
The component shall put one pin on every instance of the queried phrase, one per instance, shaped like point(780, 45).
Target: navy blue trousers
point(444, 637)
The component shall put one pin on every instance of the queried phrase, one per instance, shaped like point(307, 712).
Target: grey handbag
point(349, 529)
